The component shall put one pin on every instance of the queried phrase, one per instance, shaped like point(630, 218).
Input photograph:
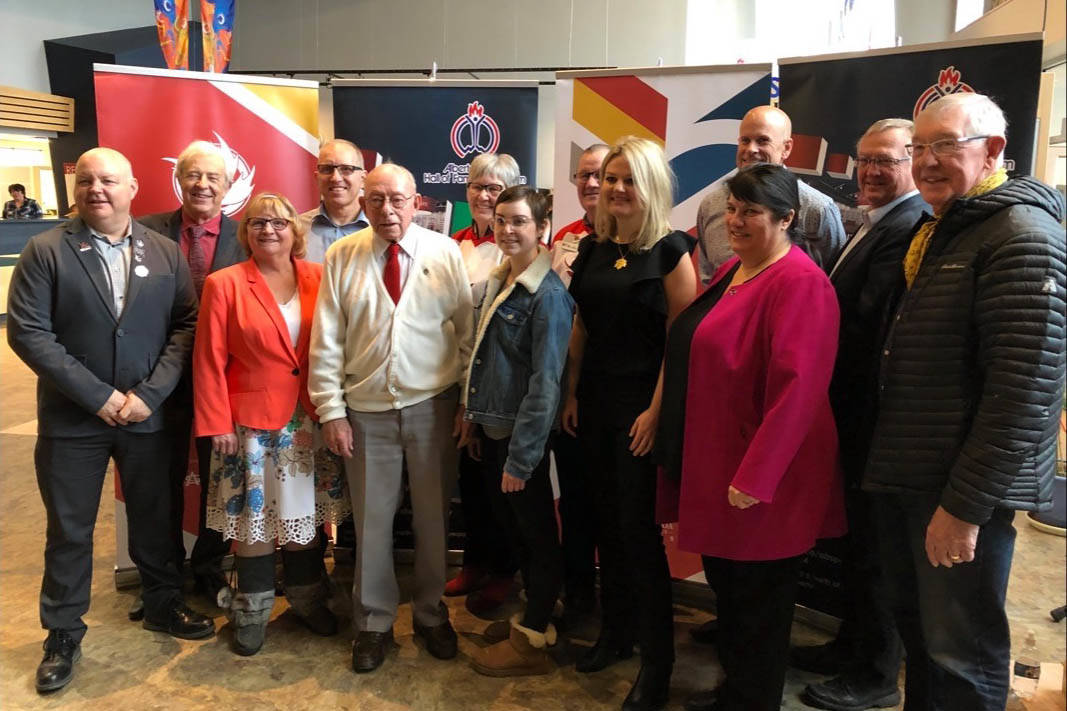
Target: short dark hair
point(538, 203)
point(19, 187)
point(770, 186)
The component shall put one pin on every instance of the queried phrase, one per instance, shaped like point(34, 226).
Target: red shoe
point(468, 579)
point(495, 592)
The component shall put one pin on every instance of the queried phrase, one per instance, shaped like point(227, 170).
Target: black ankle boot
point(650, 691)
point(603, 654)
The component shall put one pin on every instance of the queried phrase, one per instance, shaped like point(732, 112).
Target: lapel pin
point(84, 246)
point(426, 271)
point(140, 270)
point(140, 243)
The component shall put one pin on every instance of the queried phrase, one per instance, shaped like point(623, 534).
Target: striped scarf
point(919, 243)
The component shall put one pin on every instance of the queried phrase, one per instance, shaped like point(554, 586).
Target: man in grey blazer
point(103, 311)
point(208, 239)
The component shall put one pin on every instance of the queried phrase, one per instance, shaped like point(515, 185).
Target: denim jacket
point(519, 355)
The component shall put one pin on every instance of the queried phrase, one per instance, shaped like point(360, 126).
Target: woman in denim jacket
point(513, 393)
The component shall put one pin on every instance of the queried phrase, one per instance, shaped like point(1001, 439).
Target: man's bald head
point(765, 136)
point(104, 186)
point(389, 199)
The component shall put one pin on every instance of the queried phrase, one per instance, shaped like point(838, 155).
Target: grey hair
point(499, 165)
point(888, 124)
point(200, 148)
point(984, 117)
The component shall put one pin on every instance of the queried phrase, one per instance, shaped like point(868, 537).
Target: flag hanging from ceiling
point(172, 24)
point(216, 20)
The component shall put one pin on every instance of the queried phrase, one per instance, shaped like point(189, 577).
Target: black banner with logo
point(435, 130)
point(833, 99)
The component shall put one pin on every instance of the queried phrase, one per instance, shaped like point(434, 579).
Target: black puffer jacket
point(972, 372)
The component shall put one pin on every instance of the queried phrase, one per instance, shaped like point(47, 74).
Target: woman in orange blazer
point(272, 479)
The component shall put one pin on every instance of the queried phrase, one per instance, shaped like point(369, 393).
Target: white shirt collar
point(874, 214)
point(407, 243)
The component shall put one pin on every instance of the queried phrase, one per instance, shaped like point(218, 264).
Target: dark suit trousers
point(576, 517)
point(635, 581)
point(754, 603)
point(210, 549)
point(70, 475)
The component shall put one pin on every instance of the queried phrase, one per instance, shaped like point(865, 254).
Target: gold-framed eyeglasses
point(517, 222)
point(397, 201)
point(943, 147)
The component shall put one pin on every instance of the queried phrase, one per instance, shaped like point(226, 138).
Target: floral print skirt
point(281, 484)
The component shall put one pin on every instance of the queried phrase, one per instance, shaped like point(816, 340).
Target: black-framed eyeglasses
point(397, 201)
point(493, 189)
point(943, 147)
point(345, 168)
point(258, 224)
point(881, 162)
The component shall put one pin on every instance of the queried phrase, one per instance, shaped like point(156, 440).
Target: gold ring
point(956, 557)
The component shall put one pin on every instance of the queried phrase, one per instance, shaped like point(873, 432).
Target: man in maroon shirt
point(208, 240)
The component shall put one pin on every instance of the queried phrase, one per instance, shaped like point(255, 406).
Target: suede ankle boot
point(251, 605)
point(523, 653)
point(305, 589)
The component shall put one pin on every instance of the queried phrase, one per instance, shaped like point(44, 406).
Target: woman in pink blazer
point(272, 479)
point(747, 430)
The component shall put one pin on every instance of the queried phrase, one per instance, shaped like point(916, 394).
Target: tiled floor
point(126, 667)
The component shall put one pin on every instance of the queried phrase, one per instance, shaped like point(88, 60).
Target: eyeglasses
point(493, 189)
point(881, 162)
point(586, 176)
point(943, 147)
point(518, 222)
point(345, 168)
point(397, 201)
point(258, 224)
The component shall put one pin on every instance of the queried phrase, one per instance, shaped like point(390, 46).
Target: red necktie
point(392, 271)
point(197, 258)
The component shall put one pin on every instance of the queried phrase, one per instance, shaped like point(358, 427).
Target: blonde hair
point(654, 185)
point(280, 206)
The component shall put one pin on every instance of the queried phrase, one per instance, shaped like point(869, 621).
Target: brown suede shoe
point(524, 653)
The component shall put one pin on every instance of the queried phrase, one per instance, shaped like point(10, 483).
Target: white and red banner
point(266, 127)
point(267, 131)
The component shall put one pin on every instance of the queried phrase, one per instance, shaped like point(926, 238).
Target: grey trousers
point(421, 435)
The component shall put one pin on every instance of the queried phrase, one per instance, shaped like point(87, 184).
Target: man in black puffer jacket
point(972, 381)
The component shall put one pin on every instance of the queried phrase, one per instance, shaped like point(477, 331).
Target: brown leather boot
point(523, 653)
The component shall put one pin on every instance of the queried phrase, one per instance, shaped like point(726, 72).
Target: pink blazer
point(758, 417)
point(245, 369)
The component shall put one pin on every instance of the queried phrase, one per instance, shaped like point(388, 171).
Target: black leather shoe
point(707, 700)
point(181, 622)
point(440, 639)
point(845, 694)
point(57, 667)
point(136, 611)
point(368, 651)
point(650, 691)
point(826, 658)
point(706, 633)
point(603, 654)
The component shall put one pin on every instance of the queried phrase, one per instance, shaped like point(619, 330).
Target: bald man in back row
point(103, 310)
point(766, 136)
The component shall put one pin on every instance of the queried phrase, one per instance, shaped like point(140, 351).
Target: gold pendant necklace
point(620, 263)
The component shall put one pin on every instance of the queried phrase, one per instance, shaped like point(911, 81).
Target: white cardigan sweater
point(374, 356)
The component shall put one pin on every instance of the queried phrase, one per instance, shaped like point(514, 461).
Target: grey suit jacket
point(61, 322)
point(227, 250)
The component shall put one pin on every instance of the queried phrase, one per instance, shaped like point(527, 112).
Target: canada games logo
point(474, 132)
point(237, 168)
point(948, 82)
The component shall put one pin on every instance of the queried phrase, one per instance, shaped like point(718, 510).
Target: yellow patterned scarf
point(914, 258)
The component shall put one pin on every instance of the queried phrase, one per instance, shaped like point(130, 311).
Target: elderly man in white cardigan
point(390, 342)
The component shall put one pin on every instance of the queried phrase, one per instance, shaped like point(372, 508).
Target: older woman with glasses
point(489, 564)
point(271, 477)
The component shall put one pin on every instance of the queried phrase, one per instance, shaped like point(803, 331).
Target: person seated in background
point(512, 394)
point(272, 478)
point(489, 563)
point(748, 435)
point(20, 207)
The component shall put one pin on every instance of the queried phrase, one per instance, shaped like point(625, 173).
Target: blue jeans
point(951, 620)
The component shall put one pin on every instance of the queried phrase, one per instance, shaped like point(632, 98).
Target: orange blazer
point(245, 369)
